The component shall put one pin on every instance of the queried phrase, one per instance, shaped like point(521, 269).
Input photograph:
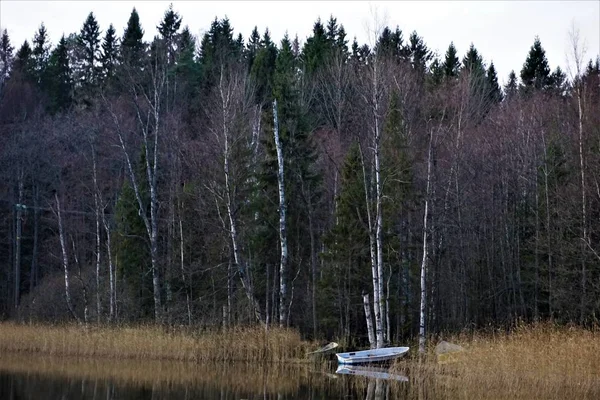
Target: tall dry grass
point(540, 361)
point(252, 344)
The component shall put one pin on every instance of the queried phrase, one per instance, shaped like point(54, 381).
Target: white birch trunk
point(150, 141)
point(283, 310)
point(183, 278)
point(83, 285)
point(97, 215)
point(422, 316)
point(379, 298)
point(225, 94)
point(19, 221)
point(65, 258)
point(111, 271)
point(374, 273)
point(369, 318)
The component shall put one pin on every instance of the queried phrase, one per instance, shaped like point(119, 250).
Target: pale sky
point(502, 31)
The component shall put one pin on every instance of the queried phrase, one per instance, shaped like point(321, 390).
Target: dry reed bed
point(530, 362)
point(150, 342)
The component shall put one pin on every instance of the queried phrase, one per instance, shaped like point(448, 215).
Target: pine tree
point(419, 54)
point(132, 46)
point(263, 69)
point(24, 62)
point(473, 63)
point(494, 91)
point(88, 42)
point(346, 268)
point(110, 52)
point(558, 80)
point(40, 53)
point(6, 57)
point(316, 49)
point(57, 82)
point(512, 85)
point(437, 72)
point(168, 30)
point(254, 45)
point(451, 64)
point(536, 71)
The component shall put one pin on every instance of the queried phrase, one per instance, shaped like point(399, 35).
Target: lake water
point(33, 377)
point(56, 378)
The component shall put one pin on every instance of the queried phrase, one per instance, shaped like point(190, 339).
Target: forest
point(364, 192)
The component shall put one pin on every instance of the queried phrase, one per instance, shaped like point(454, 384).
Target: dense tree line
point(219, 181)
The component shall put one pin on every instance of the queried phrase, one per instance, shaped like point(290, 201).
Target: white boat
point(371, 356)
point(370, 372)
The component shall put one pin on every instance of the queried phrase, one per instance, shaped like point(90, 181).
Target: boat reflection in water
point(378, 382)
point(370, 372)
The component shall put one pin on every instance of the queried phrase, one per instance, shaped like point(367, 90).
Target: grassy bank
point(154, 343)
point(529, 362)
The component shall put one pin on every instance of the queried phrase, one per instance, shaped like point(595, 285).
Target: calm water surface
point(48, 378)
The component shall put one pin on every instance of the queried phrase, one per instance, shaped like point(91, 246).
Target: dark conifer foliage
point(536, 71)
point(40, 52)
point(495, 93)
point(110, 53)
point(6, 57)
point(88, 42)
point(58, 82)
point(132, 45)
point(164, 153)
point(451, 63)
point(24, 60)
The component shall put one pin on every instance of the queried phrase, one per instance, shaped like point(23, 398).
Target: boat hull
point(371, 356)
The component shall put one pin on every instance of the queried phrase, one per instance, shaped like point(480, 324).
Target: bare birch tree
point(575, 59)
point(283, 266)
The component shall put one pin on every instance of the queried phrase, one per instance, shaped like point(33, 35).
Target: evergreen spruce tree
point(168, 30)
point(131, 249)
point(58, 83)
point(558, 80)
point(24, 62)
point(536, 71)
point(510, 89)
point(346, 268)
point(110, 52)
point(132, 46)
point(419, 53)
point(316, 49)
point(6, 57)
point(263, 69)
point(40, 53)
point(88, 41)
point(437, 72)
point(473, 63)
point(253, 46)
point(391, 44)
point(494, 91)
point(451, 64)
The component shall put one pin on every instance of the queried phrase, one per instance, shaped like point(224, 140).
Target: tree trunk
point(19, 221)
point(372, 341)
point(34, 255)
point(63, 247)
point(283, 266)
point(379, 212)
point(111, 271)
point(97, 216)
point(372, 250)
point(183, 278)
point(425, 255)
